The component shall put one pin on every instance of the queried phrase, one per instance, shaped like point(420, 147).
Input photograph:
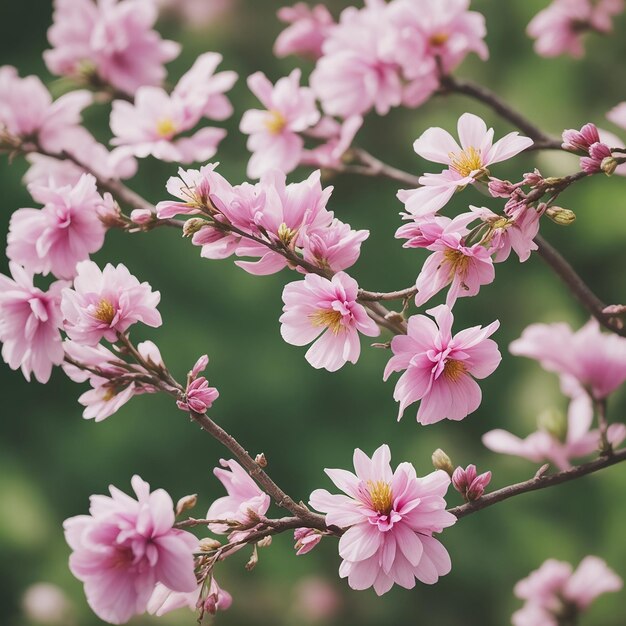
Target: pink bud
point(580, 140)
point(306, 539)
point(199, 397)
point(533, 178)
point(501, 188)
point(468, 484)
point(141, 216)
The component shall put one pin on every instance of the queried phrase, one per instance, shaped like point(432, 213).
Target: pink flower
point(559, 29)
point(468, 484)
point(306, 539)
point(67, 230)
point(28, 113)
point(337, 141)
point(199, 397)
point(557, 441)
point(106, 302)
point(391, 518)
point(315, 306)
point(317, 600)
point(617, 115)
point(439, 368)
point(111, 40)
point(307, 30)
point(244, 502)
point(554, 591)
point(211, 600)
point(124, 547)
point(587, 360)
point(30, 320)
point(114, 384)
point(274, 140)
point(422, 232)
point(464, 267)
point(153, 125)
point(466, 163)
point(580, 140)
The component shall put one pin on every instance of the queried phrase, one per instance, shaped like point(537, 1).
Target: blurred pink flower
point(27, 112)
point(317, 306)
point(317, 600)
point(617, 115)
point(244, 501)
point(113, 40)
point(559, 28)
point(124, 547)
point(555, 442)
point(555, 592)
point(390, 519)
point(440, 368)
point(199, 397)
point(65, 231)
point(164, 600)
point(338, 138)
point(465, 163)
point(106, 302)
point(587, 360)
point(274, 140)
point(470, 485)
point(307, 30)
point(30, 320)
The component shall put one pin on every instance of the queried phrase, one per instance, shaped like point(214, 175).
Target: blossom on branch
point(317, 306)
point(199, 397)
point(307, 30)
point(440, 368)
point(125, 546)
point(391, 517)
point(210, 600)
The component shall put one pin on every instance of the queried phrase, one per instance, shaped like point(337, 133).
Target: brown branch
point(536, 483)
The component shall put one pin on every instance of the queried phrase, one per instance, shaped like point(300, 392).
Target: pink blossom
point(111, 40)
point(124, 547)
point(422, 232)
point(617, 115)
point(317, 306)
point(30, 320)
point(559, 28)
point(211, 600)
point(391, 518)
point(337, 141)
point(580, 140)
point(465, 163)
point(470, 485)
point(244, 502)
point(557, 441)
point(113, 385)
point(554, 591)
point(106, 302)
point(464, 267)
point(274, 140)
point(307, 30)
point(67, 230)
point(306, 539)
point(317, 599)
point(27, 112)
point(199, 397)
point(440, 368)
point(154, 124)
point(586, 360)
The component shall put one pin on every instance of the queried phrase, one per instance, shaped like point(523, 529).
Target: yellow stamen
point(466, 161)
point(438, 39)
point(165, 128)
point(286, 234)
point(275, 122)
point(453, 370)
point(380, 493)
point(105, 311)
point(458, 263)
point(502, 222)
point(329, 318)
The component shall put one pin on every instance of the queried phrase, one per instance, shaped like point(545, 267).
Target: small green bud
point(561, 216)
point(442, 461)
point(608, 165)
point(192, 226)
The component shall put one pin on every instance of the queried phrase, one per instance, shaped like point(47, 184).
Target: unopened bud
point(260, 460)
point(141, 216)
point(192, 226)
point(186, 503)
point(208, 544)
point(442, 461)
point(609, 165)
point(552, 181)
point(266, 542)
point(553, 422)
point(561, 216)
point(254, 559)
point(468, 484)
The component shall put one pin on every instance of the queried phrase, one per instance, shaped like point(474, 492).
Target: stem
point(605, 445)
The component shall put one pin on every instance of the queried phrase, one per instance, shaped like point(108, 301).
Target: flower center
point(105, 311)
point(286, 234)
point(329, 318)
point(438, 39)
point(453, 370)
point(275, 122)
point(381, 496)
point(165, 128)
point(466, 161)
point(457, 262)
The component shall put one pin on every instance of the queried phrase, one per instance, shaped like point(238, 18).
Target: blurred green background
point(304, 420)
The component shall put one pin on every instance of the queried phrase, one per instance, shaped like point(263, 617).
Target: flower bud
point(442, 461)
point(266, 542)
point(500, 188)
point(253, 560)
point(306, 539)
point(468, 484)
point(208, 544)
point(561, 216)
point(186, 503)
point(609, 165)
point(192, 226)
point(533, 178)
point(141, 216)
point(260, 460)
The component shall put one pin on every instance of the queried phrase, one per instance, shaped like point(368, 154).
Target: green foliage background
point(51, 460)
